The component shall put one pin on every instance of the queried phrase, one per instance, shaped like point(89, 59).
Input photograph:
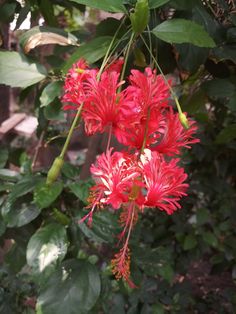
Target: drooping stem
point(73, 125)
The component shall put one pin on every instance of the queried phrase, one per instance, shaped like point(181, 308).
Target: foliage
point(63, 266)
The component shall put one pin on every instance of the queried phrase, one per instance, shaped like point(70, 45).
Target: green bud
point(140, 17)
point(183, 120)
point(55, 170)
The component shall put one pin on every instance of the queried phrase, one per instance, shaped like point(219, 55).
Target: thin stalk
point(73, 125)
point(126, 59)
point(163, 75)
point(106, 58)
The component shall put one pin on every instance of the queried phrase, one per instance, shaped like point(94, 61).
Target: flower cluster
point(146, 174)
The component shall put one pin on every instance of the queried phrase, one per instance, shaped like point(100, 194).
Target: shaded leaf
point(19, 213)
point(3, 157)
point(189, 242)
point(157, 3)
point(183, 31)
point(50, 92)
point(17, 71)
point(45, 195)
point(47, 247)
point(210, 239)
point(81, 190)
point(105, 5)
point(226, 135)
point(91, 51)
point(104, 227)
point(74, 289)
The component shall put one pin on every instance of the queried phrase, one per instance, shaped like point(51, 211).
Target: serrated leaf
point(50, 92)
point(180, 31)
point(47, 247)
point(105, 5)
point(91, 51)
point(17, 71)
point(44, 35)
point(45, 195)
point(219, 88)
point(157, 3)
point(74, 289)
point(140, 17)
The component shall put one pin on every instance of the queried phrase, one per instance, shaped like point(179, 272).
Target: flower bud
point(55, 170)
point(183, 120)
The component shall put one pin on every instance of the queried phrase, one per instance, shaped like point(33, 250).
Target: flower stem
point(73, 125)
point(126, 58)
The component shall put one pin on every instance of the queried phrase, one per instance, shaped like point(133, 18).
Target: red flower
point(164, 181)
point(74, 85)
point(115, 174)
point(174, 136)
point(104, 106)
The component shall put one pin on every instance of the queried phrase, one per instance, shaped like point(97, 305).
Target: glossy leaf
point(183, 31)
point(50, 92)
point(17, 71)
point(74, 289)
point(105, 5)
point(104, 227)
point(45, 195)
point(19, 213)
point(47, 247)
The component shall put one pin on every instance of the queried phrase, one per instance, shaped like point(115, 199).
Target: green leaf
point(44, 35)
point(189, 242)
point(104, 227)
point(210, 239)
point(54, 111)
point(91, 51)
point(226, 135)
point(45, 195)
point(9, 175)
point(47, 247)
point(140, 17)
point(183, 31)
point(203, 216)
point(156, 261)
point(17, 71)
point(16, 253)
point(105, 5)
point(81, 189)
point(2, 226)
point(23, 187)
point(3, 157)
point(50, 92)
point(157, 3)
point(225, 52)
point(219, 88)
point(74, 289)
point(19, 213)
